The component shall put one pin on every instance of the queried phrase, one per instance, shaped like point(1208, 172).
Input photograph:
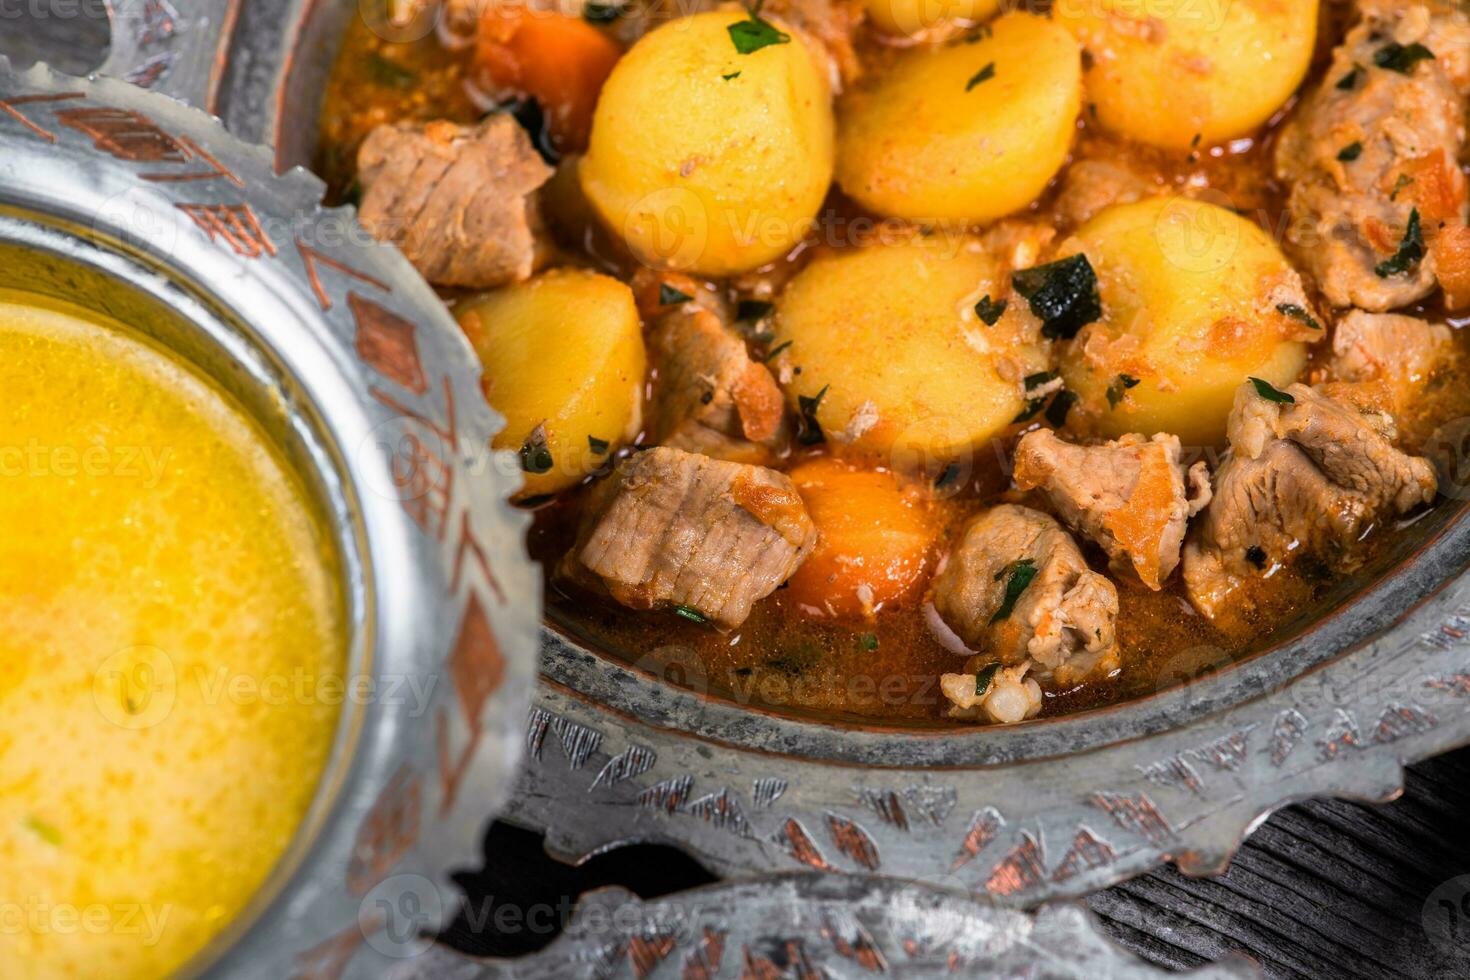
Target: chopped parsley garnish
point(1401, 57)
point(1404, 181)
point(1118, 390)
point(1034, 381)
point(947, 475)
point(601, 13)
point(1350, 152)
point(389, 73)
point(774, 351)
point(1299, 314)
point(1020, 574)
point(754, 33)
point(983, 75)
point(1256, 555)
point(1062, 294)
point(989, 311)
point(731, 77)
point(868, 641)
point(752, 310)
point(535, 457)
point(669, 296)
point(690, 614)
point(598, 446)
point(983, 678)
point(809, 431)
point(1195, 142)
point(43, 830)
point(1346, 82)
point(1061, 404)
point(1271, 393)
point(1033, 406)
point(1411, 250)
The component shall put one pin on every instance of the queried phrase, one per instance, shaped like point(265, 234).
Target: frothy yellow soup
point(172, 647)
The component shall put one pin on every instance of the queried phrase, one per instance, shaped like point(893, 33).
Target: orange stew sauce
point(788, 656)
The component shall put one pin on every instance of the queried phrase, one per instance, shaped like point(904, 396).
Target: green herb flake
point(809, 431)
point(946, 476)
point(601, 13)
point(692, 615)
point(669, 296)
point(1034, 381)
point(731, 77)
point(1346, 82)
point(753, 310)
point(990, 311)
point(984, 677)
point(47, 832)
point(1028, 413)
point(1018, 575)
point(1256, 555)
point(387, 73)
point(1118, 390)
point(754, 33)
point(1195, 142)
point(1350, 152)
point(868, 641)
point(1404, 181)
point(774, 352)
point(983, 75)
point(1061, 405)
point(1271, 393)
point(1401, 57)
point(1299, 314)
point(1411, 250)
point(598, 446)
point(1062, 295)
point(535, 457)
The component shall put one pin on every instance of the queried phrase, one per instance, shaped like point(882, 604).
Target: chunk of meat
point(671, 528)
point(1377, 140)
point(1394, 354)
point(1129, 496)
point(1008, 695)
point(1307, 476)
point(709, 396)
point(1091, 186)
point(1062, 620)
point(460, 201)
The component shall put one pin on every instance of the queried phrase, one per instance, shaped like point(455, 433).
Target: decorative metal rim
point(1025, 814)
point(296, 304)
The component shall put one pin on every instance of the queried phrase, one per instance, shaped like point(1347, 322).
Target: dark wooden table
point(1321, 890)
point(1329, 889)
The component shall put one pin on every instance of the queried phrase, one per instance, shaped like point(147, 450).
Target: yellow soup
point(172, 651)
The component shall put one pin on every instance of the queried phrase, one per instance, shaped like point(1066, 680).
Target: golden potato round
point(707, 160)
point(888, 344)
point(564, 363)
point(963, 132)
point(915, 18)
point(1195, 300)
point(1181, 69)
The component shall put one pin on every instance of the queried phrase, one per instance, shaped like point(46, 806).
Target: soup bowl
point(134, 208)
point(634, 745)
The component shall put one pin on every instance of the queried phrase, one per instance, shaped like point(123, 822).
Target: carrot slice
point(1452, 263)
point(560, 60)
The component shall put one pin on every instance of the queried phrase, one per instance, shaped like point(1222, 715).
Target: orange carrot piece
point(560, 60)
point(1452, 262)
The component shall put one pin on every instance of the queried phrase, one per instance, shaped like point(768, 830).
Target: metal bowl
point(137, 207)
point(1025, 813)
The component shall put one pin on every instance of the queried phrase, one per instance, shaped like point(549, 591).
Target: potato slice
point(1180, 71)
point(564, 363)
point(1195, 299)
point(707, 160)
point(963, 132)
point(888, 356)
point(917, 18)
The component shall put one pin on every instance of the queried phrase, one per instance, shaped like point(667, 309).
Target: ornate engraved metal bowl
point(1022, 814)
point(133, 205)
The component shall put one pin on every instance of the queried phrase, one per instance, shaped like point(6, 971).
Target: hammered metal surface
point(359, 353)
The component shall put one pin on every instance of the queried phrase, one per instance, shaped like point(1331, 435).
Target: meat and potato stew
point(941, 362)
